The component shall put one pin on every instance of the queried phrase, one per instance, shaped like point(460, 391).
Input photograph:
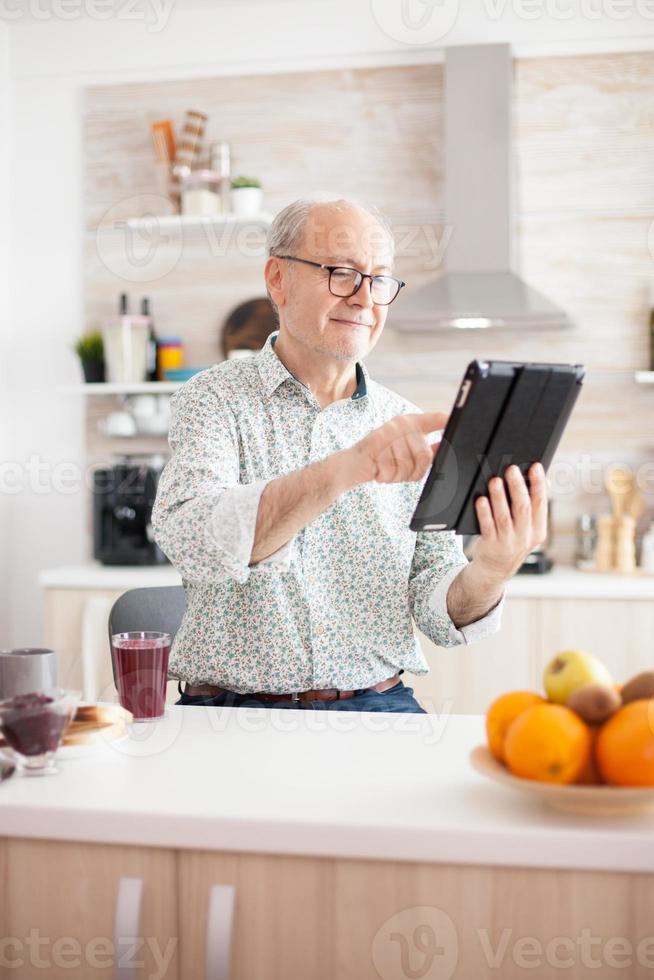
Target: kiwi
point(594, 703)
point(640, 686)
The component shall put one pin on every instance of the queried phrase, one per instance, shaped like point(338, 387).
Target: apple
point(570, 670)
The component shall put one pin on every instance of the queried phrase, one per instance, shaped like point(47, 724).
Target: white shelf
point(137, 388)
point(189, 222)
point(645, 377)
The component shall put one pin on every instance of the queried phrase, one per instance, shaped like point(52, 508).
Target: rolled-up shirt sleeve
point(203, 518)
point(438, 559)
point(233, 523)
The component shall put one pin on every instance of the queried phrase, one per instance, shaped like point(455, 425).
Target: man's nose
point(363, 295)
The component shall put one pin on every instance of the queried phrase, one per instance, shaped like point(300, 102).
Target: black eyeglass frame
point(363, 275)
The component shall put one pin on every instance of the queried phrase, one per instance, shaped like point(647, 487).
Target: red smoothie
point(33, 723)
point(142, 674)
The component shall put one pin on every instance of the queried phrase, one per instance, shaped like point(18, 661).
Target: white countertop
point(93, 575)
point(562, 582)
point(324, 783)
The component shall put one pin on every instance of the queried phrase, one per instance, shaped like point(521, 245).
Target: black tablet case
point(505, 412)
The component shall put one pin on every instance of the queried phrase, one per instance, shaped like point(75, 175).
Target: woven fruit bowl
point(600, 801)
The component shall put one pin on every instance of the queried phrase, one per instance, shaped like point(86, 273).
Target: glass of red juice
point(141, 662)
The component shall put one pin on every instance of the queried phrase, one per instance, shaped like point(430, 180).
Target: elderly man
point(287, 500)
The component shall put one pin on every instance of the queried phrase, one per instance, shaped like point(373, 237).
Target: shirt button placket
point(319, 631)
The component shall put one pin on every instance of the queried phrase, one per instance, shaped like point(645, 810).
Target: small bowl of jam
point(33, 726)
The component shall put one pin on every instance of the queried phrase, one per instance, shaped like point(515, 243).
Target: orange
point(502, 712)
point(549, 743)
point(625, 745)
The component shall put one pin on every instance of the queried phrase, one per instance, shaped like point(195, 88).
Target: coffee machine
point(123, 497)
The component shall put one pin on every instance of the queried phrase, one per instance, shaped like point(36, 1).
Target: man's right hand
point(396, 452)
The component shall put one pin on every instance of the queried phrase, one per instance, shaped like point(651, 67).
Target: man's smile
point(351, 323)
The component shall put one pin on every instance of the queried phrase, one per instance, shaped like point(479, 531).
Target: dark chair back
point(159, 609)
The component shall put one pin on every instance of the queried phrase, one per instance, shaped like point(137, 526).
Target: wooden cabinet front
point(394, 921)
point(75, 911)
point(283, 915)
point(71, 910)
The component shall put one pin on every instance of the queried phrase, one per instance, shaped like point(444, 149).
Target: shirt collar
point(273, 373)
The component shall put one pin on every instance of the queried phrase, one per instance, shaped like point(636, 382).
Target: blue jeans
point(398, 698)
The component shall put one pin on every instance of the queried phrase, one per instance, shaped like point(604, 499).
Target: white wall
point(186, 38)
point(46, 243)
point(5, 320)
point(51, 61)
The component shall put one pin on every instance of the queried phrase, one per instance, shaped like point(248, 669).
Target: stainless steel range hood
point(479, 287)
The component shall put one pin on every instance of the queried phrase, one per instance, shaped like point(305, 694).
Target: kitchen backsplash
point(585, 169)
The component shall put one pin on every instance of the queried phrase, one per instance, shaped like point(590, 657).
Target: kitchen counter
point(562, 582)
point(330, 784)
point(93, 575)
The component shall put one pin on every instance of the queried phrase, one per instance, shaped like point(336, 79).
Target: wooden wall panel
point(584, 132)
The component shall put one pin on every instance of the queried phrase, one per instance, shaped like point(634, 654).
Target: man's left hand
point(511, 527)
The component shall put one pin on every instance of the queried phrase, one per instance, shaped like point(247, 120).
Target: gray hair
point(287, 228)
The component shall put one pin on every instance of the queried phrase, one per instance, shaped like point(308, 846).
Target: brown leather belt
point(326, 694)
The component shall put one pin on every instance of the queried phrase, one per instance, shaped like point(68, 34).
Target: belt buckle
point(295, 698)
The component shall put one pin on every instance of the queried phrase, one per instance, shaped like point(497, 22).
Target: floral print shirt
point(333, 608)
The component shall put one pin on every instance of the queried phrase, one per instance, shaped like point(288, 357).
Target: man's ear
point(274, 276)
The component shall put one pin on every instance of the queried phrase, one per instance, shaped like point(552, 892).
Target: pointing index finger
point(432, 421)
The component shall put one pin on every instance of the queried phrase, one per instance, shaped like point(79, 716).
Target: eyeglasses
point(344, 281)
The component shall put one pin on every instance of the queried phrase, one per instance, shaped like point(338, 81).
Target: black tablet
point(505, 413)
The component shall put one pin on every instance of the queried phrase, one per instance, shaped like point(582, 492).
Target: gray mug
point(25, 670)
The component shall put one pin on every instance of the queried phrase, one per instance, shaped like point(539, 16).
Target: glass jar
point(125, 340)
point(201, 193)
point(586, 541)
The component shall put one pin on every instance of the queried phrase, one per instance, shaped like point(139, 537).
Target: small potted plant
point(90, 351)
point(247, 196)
